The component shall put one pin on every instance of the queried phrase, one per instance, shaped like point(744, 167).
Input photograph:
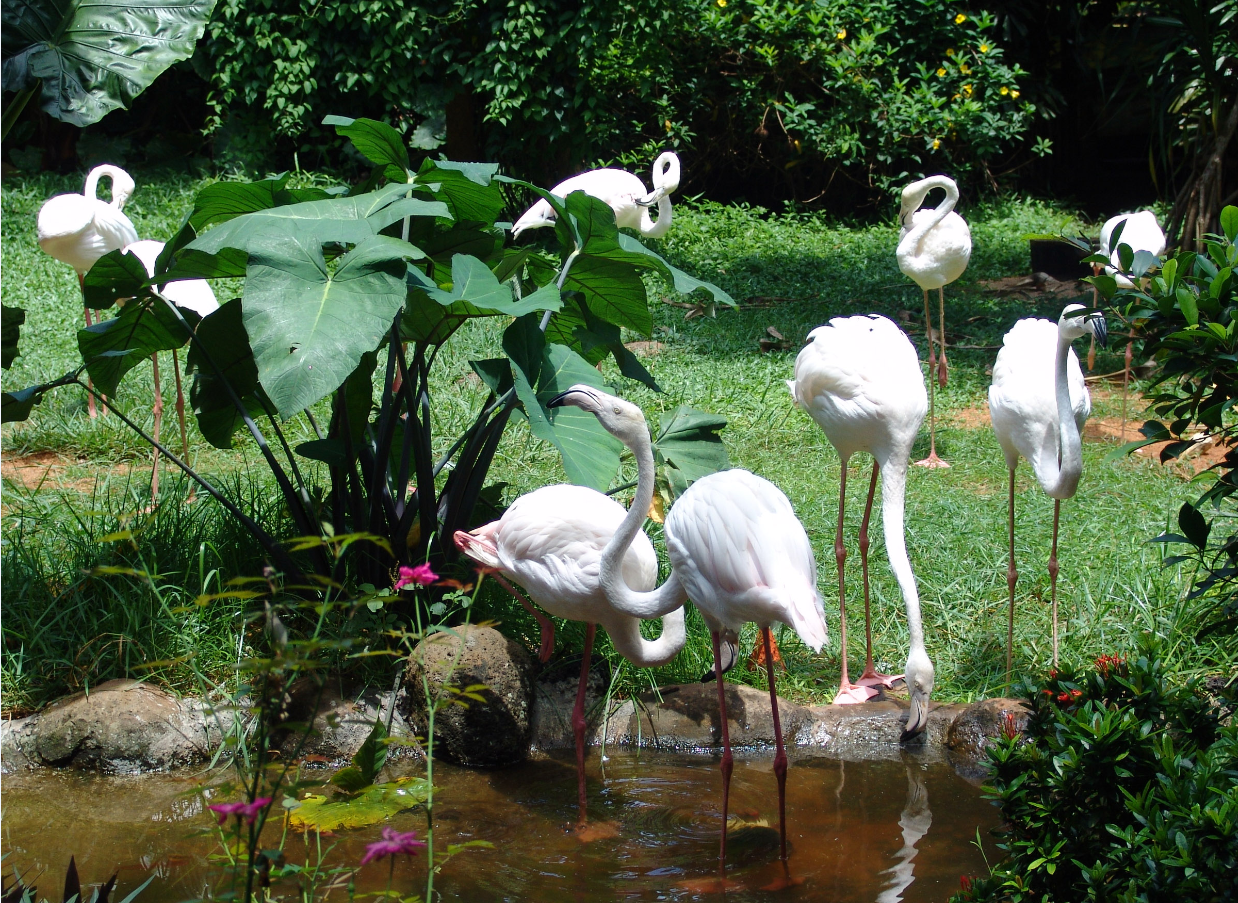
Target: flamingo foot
point(874, 678)
point(932, 462)
point(710, 885)
point(853, 694)
point(785, 881)
point(592, 832)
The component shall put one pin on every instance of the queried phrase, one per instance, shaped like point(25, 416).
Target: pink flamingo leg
point(780, 754)
point(1012, 578)
point(871, 676)
point(932, 461)
point(728, 763)
point(158, 412)
point(1057, 510)
point(548, 627)
point(578, 722)
point(848, 693)
point(943, 367)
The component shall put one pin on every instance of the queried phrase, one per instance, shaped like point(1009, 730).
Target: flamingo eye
point(615, 409)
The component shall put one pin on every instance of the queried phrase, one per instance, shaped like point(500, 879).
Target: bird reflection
point(915, 822)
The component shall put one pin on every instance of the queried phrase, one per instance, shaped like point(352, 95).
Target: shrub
point(1125, 787)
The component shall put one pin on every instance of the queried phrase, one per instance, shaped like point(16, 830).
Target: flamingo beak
point(565, 398)
point(1100, 329)
point(917, 717)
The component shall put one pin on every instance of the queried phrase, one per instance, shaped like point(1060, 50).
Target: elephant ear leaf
point(94, 57)
point(11, 320)
point(688, 446)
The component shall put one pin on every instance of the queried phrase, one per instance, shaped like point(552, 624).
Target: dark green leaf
point(495, 373)
point(1229, 223)
point(112, 348)
point(11, 320)
point(223, 201)
point(1194, 526)
point(359, 395)
point(115, 276)
point(475, 286)
point(328, 451)
point(688, 446)
point(221, 336)
point(16, 406)
point(95, 57)
point(376, 141)
point(467, 188)
point(308, 326)
point(683, 283)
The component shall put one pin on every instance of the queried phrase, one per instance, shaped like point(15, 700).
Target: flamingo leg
point(780, 754)
point(932, 461)
point(848, 693)
point(1126, 381)
point(943, 367)
point(871, 676)
point(180, 415)
point(728, 763)
point(578, 722)
point(1012, 577)
point(157, 410)
point(548, 627)
point(1057, 510)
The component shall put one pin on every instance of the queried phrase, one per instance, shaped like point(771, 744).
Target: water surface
point(857, 831)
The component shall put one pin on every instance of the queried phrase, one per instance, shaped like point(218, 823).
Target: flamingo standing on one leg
point(736, 549)
point(1038, 404)
point(550, 542)
point(623, 192)
point(859, 378)
point(196, 295)
point(933, 249)
point(78, 229)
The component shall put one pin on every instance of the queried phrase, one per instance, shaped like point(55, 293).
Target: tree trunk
point(1197, 207)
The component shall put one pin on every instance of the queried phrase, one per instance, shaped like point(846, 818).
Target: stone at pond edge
point(495, 731)
point(687, 717)
point(121, 726)
point(975, 728)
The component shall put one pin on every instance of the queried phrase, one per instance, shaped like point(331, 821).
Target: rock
point(341, 724)
point(122, 726)
point(493, 731)
point(871, 729)
point(16, 737)
point(687, 718)
point(553, 699)
point(975, 728)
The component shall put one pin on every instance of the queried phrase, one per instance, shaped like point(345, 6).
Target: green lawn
point(63, 628)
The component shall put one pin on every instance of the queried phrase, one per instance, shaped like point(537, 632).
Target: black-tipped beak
point(561, 399)
point(1100, 329)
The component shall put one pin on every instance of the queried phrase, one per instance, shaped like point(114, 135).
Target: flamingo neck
point(893, 495)
point(1060, 478)
point(670, 595)
point(656, 229)
point(917, 232)
point(91, 189)
point(626, 637)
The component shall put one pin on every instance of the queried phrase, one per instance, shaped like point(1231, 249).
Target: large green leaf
point(467, 188)
point(115, 276)
point(366, 763)
point(377, 142)
point(343, 220)
point(112, 348)
point(94, 57)
point(688, 446)
point(474, 286)
point(682, 282)
point(372, 805)
point(221, 337)
point(11, 320)
point(590, 454)
point(310, 326)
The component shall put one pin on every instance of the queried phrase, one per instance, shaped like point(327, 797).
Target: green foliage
point(89, 59)
point(1187, 314)
point(11, 320)
point(1123, 788)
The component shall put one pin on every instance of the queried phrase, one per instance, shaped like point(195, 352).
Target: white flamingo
point(933, 249)
point(1143, 233)
point(737, 551)
point(78, 229)
point(623, 192)
point(194, 294)
point(859, 378)
point(1038, 404)
point(550, 541)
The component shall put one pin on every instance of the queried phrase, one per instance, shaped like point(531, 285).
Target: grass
point(63, 628)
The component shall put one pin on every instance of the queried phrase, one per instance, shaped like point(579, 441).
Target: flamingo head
point(538, 216)
point(1077, 320)
point(622, 419)
point(665, 178)
point(919, 677)
point(913, 196)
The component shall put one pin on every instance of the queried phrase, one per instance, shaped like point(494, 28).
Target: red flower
point(393, 843)
point(242, 810)
point(1107, 663)
point(422, 575)
point(965, 881)
point(1009, 731)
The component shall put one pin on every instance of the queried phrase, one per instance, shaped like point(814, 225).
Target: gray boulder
point(975, 728)
point(686, 717)
point(493, 731)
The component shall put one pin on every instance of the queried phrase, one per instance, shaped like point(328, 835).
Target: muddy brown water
point(884, 830)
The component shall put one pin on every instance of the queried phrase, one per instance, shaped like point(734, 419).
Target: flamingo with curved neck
point(623, 192)
point(736, 549)
point(933, 250)
point(1038, 403)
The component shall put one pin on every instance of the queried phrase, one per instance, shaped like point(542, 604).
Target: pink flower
point(421, 575)
point(393, 844)
point(242, 810)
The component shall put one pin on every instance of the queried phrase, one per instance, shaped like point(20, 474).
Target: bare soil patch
point(48, 470)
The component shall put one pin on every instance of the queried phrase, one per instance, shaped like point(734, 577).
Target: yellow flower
point(936, 143)
point(721, 4)
point(949, 51)
point(967, 90)
point(1004, 91)
point(1014, 94)
point(941, 72)
point(842, 34)
point(984, 48)
point(960, 19)
point(965, 69)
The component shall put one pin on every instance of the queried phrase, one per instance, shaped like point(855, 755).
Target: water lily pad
point(372, 805)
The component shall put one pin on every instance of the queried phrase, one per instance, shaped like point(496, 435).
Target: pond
point(874, 830)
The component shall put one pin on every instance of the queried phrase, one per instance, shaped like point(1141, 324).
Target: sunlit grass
point(789, 272)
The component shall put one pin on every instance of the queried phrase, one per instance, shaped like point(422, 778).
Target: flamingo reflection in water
point(915, 822)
